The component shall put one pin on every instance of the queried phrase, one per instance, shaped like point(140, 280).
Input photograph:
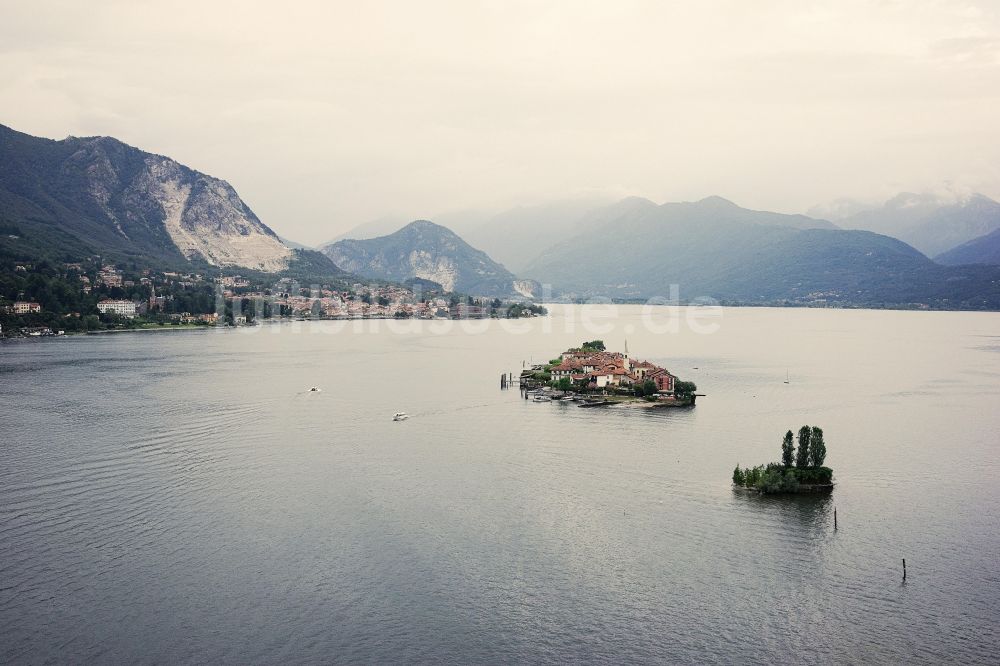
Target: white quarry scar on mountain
point(525, 287)
point(441, 270)
point(199, 234)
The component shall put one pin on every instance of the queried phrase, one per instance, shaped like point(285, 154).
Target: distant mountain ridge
point(982, 250)
point(102, 196)
point(933, 224)
point(432, 252)
point(713, 248)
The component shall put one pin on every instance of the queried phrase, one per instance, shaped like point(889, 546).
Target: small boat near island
point(400, 416)
point(541, 397)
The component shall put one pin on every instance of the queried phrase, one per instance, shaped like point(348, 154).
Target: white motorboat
point(542, 398)
point(400, 416)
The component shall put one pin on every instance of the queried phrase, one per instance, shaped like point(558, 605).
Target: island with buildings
point(594, 376)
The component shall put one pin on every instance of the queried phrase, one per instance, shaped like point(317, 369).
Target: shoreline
point(181, 327)
point(803, 489)
point(262, 323)
point(630, 402)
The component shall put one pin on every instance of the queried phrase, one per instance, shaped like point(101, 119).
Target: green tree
point(564, 384)
point(738, 477)
point(817, 447)
point(752, 476)
point(594, 345)
point(649, 387)
point(777, 479)
point(802, 459)
point(787, 449)
point(684, 390)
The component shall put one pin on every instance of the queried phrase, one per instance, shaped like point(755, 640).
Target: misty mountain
point(382, 226)
point(713, 248)
point(295, 245)
point(840, 209)
point(930, 223)
point(982, 250)
point(97, 195)
point(513, 237)
point(427, 251)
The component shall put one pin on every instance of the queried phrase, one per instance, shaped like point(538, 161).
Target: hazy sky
point(324, 115)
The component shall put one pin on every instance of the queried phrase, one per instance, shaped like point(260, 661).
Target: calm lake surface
point(180, 497)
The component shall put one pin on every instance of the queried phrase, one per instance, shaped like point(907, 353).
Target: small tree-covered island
point(596, 376)
point(801, 469)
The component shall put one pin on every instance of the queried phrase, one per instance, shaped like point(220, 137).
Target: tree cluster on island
point(799, 468)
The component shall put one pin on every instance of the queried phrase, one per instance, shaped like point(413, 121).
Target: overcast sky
point(325, 115)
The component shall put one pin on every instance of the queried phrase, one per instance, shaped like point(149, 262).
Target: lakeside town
point(595, 376)
point(46, 299)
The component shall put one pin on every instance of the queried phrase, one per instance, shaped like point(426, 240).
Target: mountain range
point(80, 197)
point(713, 248)
point(636, 249)
point(428, 251)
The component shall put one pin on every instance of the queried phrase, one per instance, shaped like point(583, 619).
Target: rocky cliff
point(100, 194)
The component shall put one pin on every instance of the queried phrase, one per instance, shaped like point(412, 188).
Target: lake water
point(180, 498)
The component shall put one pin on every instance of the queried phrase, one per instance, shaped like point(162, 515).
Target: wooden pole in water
point(904, 568)
point(834, 517)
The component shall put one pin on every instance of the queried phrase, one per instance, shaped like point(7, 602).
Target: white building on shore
point(120, 308)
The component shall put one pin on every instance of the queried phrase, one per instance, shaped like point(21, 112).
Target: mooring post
point(834, 517)
point(904, 568)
